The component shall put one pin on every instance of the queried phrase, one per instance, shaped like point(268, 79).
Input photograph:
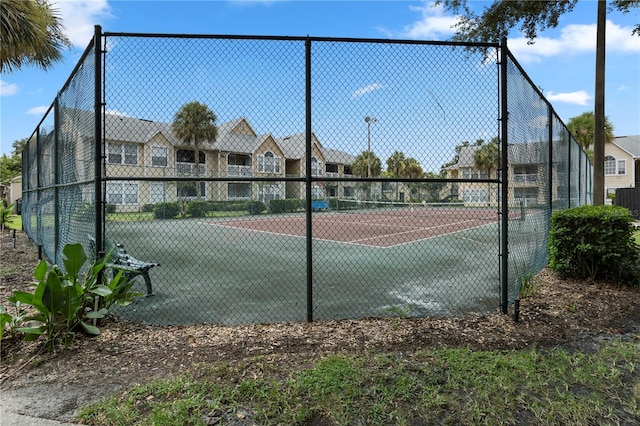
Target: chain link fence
point(287, 179)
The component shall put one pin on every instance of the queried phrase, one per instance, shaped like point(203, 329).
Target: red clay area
point(368, 229)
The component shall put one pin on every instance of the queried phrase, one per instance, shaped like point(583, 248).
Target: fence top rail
point(302, 38)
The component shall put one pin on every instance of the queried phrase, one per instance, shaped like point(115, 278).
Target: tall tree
point(412, 170)
point(395, 164)
point(194, 123)
point(360, 164)
point(32, 34)
point(487, 159)
point(582, 128)
point(11, 165)
point(501, 16)
point(365, 162)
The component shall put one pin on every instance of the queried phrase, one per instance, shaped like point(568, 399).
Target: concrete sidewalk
point(12, 419)
point(14, 409)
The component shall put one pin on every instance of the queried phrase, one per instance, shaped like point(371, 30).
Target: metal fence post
point(309, 153)
point(504, 303)
point(550, 165)
point(98, 142)
point(56, 181)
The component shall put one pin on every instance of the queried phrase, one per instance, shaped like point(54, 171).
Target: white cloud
point(623, 88)
point(578, 98)
point(432, 25)
point(7, 89)
point(39, 110)
point(79, 18)
point(367, 89)
point(574, 39)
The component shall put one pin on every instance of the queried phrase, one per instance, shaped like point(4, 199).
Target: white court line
point(360, 241)
point(419, 229)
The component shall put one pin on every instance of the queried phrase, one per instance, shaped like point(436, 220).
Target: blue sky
point(561, 62)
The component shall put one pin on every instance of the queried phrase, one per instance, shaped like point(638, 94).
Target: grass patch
point(448, 386)
point(142, 216)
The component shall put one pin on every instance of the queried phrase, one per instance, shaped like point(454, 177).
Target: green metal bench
point(120, 260)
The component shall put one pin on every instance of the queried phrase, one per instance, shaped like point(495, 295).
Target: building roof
point(335, 156)
point(129, 129)
point(630, 144)
point(294, 146)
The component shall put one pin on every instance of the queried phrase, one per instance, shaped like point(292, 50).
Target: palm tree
point(582, 127)
point(31, 34)
point(360, 165)
point(487, 159)
point(395, 167)
point(365, 162)
point(412, 170)
point(193, 123)
point(395, 164)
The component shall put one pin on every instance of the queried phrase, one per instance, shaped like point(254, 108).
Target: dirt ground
point(575, 315)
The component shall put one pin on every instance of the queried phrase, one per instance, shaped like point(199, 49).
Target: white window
point(188, 190)
point(157, 192)
point(267, 193)
point(238, 191)
point(474, 174)
point(614, 167)
point(122, 153)
point(268, 163)
point(122, 193)
point(159, 156)
point(317, 192)
point(316, 167)
point(475, 195)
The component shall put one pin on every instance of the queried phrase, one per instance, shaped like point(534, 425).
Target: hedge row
point(200, 208)
point(595, 242)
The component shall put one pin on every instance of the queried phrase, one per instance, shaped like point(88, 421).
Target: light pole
point(369, 120)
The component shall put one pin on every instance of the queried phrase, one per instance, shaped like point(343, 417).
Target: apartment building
point(143, 148)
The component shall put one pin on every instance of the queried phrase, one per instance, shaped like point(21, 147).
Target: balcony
point(333, 174)
point(189, 169)
point(239, 171)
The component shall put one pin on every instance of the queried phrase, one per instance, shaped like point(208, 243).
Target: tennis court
point(366, 263)
point(372, 224)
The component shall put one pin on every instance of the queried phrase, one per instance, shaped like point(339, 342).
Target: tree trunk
point(599, 131)
point(196, 153)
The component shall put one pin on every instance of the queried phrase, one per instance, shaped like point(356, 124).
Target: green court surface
point(226, 275)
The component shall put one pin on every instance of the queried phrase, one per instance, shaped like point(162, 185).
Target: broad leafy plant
point(5, 212)
point(65, 302)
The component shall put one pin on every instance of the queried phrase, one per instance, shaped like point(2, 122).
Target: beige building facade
point(142, 148)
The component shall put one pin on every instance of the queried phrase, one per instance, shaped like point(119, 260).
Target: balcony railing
point(242, 171)
point(333, 174)
point(189, 169)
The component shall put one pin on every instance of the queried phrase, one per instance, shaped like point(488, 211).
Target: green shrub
point(110, 208)
point(166, 210)
point(594, 242)
point(285, 206)
point(256, 207)
point(147, 208)
point(198, 208)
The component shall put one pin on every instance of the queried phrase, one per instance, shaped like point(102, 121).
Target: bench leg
point(147, 281)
